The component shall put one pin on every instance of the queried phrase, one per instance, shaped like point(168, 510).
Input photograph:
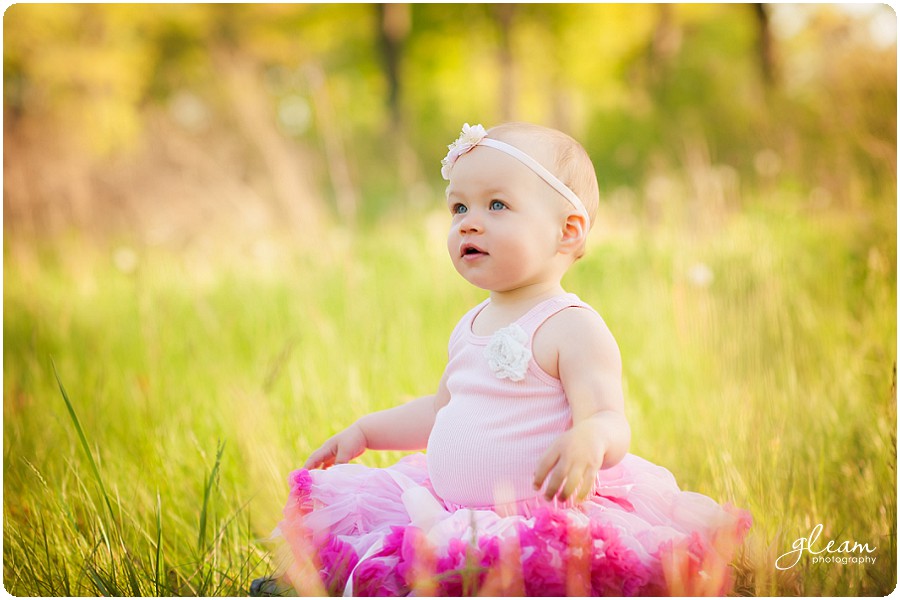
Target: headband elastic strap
point(541, 172)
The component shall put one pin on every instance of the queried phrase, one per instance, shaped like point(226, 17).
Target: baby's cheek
point(452, 244)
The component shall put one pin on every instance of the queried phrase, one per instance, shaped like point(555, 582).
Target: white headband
point(475, 135)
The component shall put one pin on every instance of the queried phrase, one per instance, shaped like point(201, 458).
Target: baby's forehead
point(540, 147)
point(487, 168)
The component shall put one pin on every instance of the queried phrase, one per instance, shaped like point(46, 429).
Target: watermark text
point(845, 553)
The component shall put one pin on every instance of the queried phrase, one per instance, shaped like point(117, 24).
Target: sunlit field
point(224, 240)
point(759, 349)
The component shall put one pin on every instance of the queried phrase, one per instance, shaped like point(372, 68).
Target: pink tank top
point(503, 414)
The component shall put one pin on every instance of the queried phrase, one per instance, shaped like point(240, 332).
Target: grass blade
point(201, 537)
point(84, 442)
point(158, 567)
point(132, 573)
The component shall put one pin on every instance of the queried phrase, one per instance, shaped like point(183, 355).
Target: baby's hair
point(571, 163)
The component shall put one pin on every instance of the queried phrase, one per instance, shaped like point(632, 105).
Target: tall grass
point(759, 359)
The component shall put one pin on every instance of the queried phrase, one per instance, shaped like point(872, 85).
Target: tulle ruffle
point(383, 532)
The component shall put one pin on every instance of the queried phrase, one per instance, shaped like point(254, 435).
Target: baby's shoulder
point(577, 332)
point(576, 322)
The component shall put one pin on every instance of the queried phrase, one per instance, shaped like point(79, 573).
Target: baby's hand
point(574, 460)
point(338, 449)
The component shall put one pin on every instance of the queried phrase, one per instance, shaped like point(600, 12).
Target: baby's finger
point(587, 483)
point(547, 462)
point(555, 484)
point(319, 458)
point(312, 462)
point(573, 483)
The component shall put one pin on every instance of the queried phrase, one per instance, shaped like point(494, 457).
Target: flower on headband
point(468, 139)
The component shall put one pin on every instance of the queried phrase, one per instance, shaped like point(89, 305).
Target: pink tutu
point(384, 532)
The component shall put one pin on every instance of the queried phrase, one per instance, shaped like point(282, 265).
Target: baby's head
point(555, 157)
point(561, 154)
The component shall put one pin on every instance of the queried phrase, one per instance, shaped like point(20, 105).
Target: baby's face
point(507, 222)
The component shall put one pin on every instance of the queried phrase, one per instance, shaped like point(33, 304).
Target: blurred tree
point(394, 25)
point(503, 16)
point(664, 45)
point(765, 44)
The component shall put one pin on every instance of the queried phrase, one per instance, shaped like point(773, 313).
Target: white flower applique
point(469, 138)
point(508, 353)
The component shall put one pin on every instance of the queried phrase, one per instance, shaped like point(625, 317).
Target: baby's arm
point(590, 369)
point(404, 427)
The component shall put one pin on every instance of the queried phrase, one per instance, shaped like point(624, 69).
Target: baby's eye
point(458, 209)
point(497, 205)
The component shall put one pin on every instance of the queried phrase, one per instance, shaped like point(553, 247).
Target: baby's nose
point(470, 223)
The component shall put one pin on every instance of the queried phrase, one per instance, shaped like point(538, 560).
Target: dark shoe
point(266, 586)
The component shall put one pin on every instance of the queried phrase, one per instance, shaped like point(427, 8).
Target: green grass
point(190, 387)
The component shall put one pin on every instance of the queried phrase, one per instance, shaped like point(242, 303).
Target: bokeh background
point(224, 230)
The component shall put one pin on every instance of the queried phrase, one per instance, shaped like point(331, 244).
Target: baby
point(526, 436)
point(516, 230)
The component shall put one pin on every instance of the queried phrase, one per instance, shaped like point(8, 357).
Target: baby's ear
point(574, 232)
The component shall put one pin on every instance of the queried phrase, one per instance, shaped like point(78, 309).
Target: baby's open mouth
point(471, 250)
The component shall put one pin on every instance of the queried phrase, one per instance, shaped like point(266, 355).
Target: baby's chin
point(478, 281)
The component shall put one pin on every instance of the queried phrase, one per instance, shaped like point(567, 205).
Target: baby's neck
point(525, 297)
